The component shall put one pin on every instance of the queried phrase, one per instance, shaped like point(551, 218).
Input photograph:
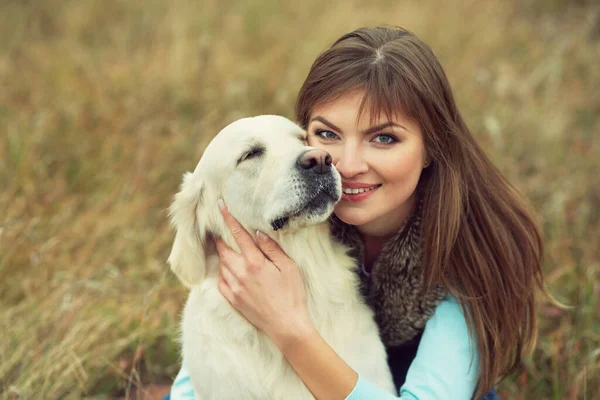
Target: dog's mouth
point(315, 205)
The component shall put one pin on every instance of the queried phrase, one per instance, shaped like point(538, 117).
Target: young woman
point(450, 252)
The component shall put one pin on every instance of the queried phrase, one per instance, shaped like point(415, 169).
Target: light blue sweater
point(445, 366)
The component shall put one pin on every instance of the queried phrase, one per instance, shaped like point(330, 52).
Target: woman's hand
point(262, 283)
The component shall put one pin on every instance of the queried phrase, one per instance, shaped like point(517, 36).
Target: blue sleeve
point(446, 364)
point(182, 388)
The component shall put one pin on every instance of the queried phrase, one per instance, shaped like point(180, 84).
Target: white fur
point(225, 355)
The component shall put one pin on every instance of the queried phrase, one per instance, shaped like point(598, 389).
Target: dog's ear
point(188, 255)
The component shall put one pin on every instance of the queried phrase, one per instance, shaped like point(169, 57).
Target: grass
point(104, 105)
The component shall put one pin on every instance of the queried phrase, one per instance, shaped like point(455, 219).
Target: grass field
point(104, 105)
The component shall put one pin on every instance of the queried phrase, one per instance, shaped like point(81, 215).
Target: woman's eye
point(325, 134)
point(385, 139)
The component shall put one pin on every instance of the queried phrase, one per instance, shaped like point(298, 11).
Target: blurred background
point(105, 104)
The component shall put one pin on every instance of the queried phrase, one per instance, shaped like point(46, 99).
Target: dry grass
point(104, 104)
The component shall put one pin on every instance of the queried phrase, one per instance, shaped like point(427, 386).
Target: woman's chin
point(351, 216)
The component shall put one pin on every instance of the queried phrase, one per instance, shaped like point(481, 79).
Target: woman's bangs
point(387, 97)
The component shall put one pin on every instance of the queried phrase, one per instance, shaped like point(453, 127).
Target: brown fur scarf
point(393, 288)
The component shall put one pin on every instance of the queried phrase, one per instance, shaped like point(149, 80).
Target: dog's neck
point(325, 267)
point(328, 273)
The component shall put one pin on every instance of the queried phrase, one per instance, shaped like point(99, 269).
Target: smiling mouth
point(361, 190)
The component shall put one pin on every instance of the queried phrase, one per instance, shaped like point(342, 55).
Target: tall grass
point(104, 104)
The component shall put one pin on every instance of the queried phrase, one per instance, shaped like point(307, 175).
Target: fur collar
point(393, 288)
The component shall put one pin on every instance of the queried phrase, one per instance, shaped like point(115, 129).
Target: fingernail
point(221, 204)
point(261, 235)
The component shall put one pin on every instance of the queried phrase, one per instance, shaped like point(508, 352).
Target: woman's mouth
point(358, 194)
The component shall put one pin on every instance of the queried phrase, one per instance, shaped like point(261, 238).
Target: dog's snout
point(316, 160)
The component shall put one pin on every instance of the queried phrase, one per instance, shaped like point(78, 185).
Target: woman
point(413, 178)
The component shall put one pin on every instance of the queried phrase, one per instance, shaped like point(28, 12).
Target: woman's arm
point(445, 366)
point(265, 286)
point(321, 369)
point(182, 388)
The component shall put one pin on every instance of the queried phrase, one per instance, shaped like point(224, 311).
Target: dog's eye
point(254, 152)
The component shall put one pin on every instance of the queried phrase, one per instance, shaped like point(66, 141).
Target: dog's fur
point(252, 165)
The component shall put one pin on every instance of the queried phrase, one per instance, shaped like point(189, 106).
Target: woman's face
point(380, 163)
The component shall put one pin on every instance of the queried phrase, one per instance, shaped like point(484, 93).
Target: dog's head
point(269, 179)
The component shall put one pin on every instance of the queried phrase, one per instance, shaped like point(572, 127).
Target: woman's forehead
point(355, 108)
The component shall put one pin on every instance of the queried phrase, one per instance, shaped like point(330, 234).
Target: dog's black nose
point(316, 160)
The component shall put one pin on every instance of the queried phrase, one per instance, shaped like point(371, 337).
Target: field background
point(104, 104)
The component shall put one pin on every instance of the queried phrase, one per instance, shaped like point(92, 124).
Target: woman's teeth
point(357, 191)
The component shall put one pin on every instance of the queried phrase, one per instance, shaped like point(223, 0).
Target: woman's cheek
point(313, 141)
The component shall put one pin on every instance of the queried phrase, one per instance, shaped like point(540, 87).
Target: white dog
point(270, 181)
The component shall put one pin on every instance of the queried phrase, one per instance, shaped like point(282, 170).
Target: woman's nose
point(350, 163)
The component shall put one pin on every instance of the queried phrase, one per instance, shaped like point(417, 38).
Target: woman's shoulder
point(447, 333)
point(449, 317)
point(446, 355)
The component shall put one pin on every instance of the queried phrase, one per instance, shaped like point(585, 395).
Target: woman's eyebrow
point(366, 131)
point(324, 121)
point(383, 126)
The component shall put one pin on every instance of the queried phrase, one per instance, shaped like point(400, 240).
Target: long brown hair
point(480, 237)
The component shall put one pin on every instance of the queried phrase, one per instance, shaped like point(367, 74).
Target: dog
point(270, 181)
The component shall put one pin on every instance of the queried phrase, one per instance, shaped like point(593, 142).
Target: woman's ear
point(427, 160)
point(188, 217)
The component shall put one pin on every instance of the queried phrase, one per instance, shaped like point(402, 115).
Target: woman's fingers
point(271, 249)
point(240, 235)
point(223, 250)
point(226, 253)
point(231, 261)
point(224, 287)
point(267, 297)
